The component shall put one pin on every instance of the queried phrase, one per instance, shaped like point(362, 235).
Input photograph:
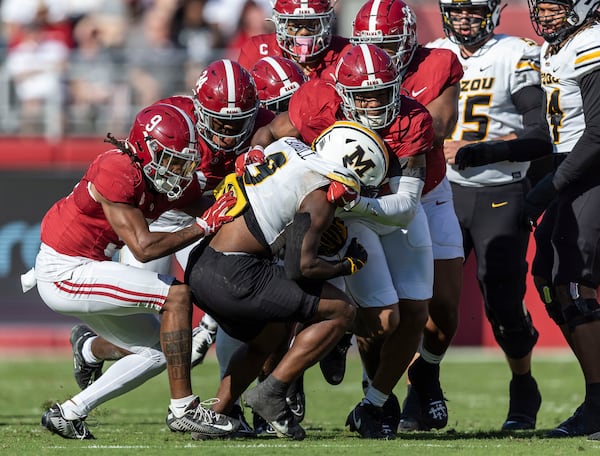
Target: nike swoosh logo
point(416, 93)
point(439, 203)
point(495, 205)
point(357, 421)
point(224, 427)
point(483, 68)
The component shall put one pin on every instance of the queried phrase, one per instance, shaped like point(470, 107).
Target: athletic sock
point(376, 397)
point(87, 353)
point(178, 406)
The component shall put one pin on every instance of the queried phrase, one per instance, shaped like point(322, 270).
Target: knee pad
point(511, 323)
point(518, 338)
point(553, 307)
point(580, 310)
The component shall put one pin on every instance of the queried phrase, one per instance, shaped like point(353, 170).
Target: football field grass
point(475, 383)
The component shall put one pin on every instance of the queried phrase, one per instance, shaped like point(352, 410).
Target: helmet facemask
point(226, 130)
point(170, 171)
point(375, 118)
point(560, 18)
point(482, 17)
point(303, 47)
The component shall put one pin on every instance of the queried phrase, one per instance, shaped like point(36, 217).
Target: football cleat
point(85, 373)
point(205, 423)
point(574, 426)
point(245, 431)
point(367, 420)
point(55, 422)
point(525, 401)
point(275, 411)
point(391, 416)
point(333, 365)
point(261, 426)
point(203, 336)
point(411, 412)
point(295, 398)
point(425, 380)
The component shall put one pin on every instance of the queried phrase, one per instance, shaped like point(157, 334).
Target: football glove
point(537, 200)
point(255, 155)
point(355, 257)
point(481, 153)
point(341, 195)
point(334, 238)
point(216, 215)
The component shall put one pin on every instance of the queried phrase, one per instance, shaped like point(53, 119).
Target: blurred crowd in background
point(84, 67)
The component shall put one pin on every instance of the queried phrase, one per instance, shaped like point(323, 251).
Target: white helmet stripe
point(230, 83)
point(368, 61)
point(279, 70)
point(373, 15)
point(190, 125)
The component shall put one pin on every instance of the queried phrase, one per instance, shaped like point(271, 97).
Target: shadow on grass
point(318, 433)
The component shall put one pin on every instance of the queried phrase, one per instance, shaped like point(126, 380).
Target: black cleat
point(261, 426)
point(55, 422)
point(410, 418)
point(296, 399)
point(525, 401)
point(367, 420)
point(245, 431)
point(571, 427)
point(85, 373)
point(333, 365)
point(203, 422)
point(390, 416)
point(425, 380)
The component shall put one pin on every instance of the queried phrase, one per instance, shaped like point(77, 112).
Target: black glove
point(481, 153)
point(334, 238)
point(537, 200)
point(355, 257)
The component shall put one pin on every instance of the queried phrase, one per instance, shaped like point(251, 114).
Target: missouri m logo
point(356, 160)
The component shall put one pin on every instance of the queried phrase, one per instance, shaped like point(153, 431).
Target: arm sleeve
point(529, 102)
point(585, 156)
point(397, 209)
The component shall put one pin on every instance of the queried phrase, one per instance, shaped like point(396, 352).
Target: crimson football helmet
point(367, 72)
point(391, 25)
point(485, 26)
point(226, 105)
point(276, 79)
point(164, 139)
point(315, 16)
point(570, 17)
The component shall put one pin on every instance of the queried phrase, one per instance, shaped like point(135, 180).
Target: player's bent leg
point(514, 331)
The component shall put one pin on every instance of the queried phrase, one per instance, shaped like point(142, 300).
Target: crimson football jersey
point(316, 105)
point(429, 73)
point(215, 164)
point(76, 225)
point(260, 46)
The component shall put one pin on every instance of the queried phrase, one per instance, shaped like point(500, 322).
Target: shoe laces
point(204, 335)
point(203, 411)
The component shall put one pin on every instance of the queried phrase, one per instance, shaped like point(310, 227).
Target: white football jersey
point(561, 74)
point(500, 68)
point(276, 188)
